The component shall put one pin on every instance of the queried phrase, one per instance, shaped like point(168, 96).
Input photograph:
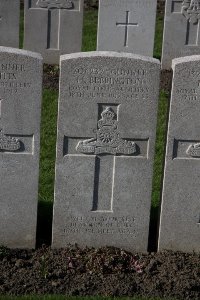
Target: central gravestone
point(53, 27)
point(20, 105)
point(127, 26)
point(105, 150)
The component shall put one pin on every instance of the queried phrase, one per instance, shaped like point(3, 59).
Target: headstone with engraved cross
point(181, 30)
point(9, 23)
point(53, 27)
point(105, 149)
point(179, 226)
point(20, 103)
point(127, 26)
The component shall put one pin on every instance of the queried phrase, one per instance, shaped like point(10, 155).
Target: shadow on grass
point(153, 229)
point(44, 223)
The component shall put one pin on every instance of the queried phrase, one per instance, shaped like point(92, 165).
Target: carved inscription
point(110, 83)
point(10, 81)
point(108, 138)
point(60, 4)
point(101, 225)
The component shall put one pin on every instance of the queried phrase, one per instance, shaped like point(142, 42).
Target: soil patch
point(104, 271)
point(166, 80)
point(51, 77)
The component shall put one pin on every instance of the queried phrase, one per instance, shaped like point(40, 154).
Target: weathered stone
point(181, 30)
point(20, 103)
point(127, 26)
point(53, 27)
point(105, 150)
point(9, 23)
point(180, 214)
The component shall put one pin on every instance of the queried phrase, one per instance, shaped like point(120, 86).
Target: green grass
point(48, 145)
point(21, 29)
point(160, 147)
point(90, 30)
point(158, 37)
point(75, 298)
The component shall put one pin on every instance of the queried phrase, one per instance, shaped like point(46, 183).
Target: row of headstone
point(105, 151)
point(53, 28)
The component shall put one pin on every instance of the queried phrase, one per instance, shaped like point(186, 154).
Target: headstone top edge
point(108, 54)
point(21, 52)
point(185, 59)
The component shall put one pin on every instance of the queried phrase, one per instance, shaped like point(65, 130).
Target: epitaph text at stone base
point(20, 105)
point(180, 212)
point(105, 150)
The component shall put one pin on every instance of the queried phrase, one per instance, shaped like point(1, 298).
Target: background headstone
point(181, 30)
point(9, 23)
point(127, 26)
point(180, 213)
point(105, 150)
point(20, 105)
point(53, 28)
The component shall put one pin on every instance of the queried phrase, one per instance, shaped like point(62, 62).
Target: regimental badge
point(61, 4)
point(108, 138)
point(191, 10)
point(194, 150)
point(8, 143)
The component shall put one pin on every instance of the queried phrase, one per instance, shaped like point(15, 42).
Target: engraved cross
point(126, 25)
point(106, 146)
point(53, 8)
point(187, 11)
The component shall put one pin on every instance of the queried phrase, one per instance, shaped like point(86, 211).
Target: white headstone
point(105, 150)
point(20, 104)
point(127, 26)
point(9, 23)
point(181, 30)
point(53, 27)
point(180, 214)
